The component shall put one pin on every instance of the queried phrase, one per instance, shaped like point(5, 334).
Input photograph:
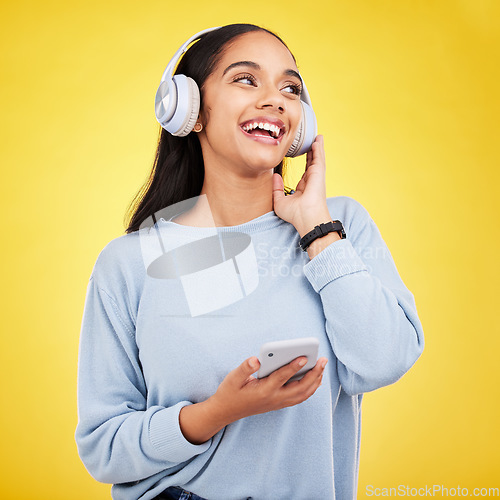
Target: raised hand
point(308, 204)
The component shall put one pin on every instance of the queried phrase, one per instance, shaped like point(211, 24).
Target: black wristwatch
point(322, 230)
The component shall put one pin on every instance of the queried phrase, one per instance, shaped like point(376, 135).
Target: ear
point(203, 115)
point(200, 118)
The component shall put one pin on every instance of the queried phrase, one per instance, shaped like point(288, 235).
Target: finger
point(311, 389)
point(318, 151)
point(311, 376)
point(300, 390)
point(241, 374)
point(309, 157)
point(315, 372)
point(278, 188)
point(283, 374)
point(315, 151)
point(302, 183)
point(297, 393)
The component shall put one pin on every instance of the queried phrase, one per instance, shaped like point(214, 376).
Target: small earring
point(198, 127)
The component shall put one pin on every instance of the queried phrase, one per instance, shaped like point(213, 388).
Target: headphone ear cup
point(165, 102)
point(187, 106)
point(297, 140)
point(306, 133)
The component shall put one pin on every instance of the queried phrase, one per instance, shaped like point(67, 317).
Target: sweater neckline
point(264, 222)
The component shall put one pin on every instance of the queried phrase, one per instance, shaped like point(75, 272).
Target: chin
point(264, 159)
point(264, 162)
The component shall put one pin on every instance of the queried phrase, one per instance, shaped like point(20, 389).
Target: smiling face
point(250, 104)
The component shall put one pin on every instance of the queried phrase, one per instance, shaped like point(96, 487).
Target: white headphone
point(177, 104)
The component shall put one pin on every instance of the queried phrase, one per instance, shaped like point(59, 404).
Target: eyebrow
point(251, 64)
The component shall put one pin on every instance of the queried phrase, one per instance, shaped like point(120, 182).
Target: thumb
point(242, 372)
point(278, 187)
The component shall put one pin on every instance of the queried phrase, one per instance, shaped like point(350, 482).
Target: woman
point(169, 403)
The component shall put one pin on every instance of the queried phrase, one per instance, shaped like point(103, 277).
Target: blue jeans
point(176, 493)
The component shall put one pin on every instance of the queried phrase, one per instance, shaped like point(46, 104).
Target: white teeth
point(273, 129)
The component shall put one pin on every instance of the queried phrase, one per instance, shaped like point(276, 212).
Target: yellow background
point(405, 94)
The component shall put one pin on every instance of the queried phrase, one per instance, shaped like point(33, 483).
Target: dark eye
point(245, 79)
point(293, 89)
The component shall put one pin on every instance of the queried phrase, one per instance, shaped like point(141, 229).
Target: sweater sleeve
point(371, 317)
point(119, 438)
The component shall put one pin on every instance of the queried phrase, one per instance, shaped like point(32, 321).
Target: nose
point(271, 97)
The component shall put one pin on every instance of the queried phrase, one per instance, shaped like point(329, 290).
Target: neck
point(232, 199)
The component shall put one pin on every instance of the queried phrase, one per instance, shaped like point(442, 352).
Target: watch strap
point(322, 230)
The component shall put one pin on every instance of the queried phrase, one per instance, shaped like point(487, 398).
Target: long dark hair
point(178, 169)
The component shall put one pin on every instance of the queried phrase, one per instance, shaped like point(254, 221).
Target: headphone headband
point(183, 48)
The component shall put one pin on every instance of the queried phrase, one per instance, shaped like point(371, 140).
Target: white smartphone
point(274, 355)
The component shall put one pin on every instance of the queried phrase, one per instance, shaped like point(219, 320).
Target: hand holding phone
point(274, 355)
point(241, 395)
